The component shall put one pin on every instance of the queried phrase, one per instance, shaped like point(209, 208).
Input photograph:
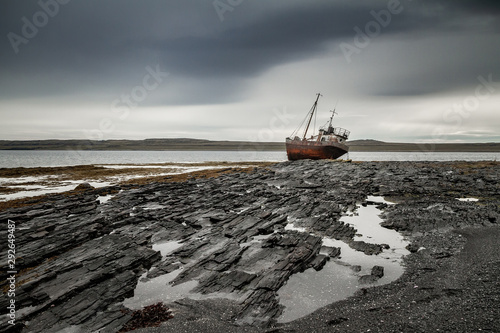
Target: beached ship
point(328, 144)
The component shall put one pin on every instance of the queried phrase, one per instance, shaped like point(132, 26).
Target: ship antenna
point(313, 109)
point(331, 118)
point(334, 112)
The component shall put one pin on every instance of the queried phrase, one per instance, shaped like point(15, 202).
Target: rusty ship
point(328, 144)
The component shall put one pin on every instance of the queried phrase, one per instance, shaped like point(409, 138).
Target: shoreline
point(453, 245)
point(187, 144)
point(24, 184)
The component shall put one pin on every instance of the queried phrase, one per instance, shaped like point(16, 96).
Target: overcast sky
point(399, 71)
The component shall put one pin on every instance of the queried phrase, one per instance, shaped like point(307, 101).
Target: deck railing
point(342, 132)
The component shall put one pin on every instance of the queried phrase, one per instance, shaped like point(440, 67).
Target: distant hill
point(373, 145)
point(201, 144)
point(148, 144)
point(366, 142)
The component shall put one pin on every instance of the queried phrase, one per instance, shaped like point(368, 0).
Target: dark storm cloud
point(248, 50)
point(95, 45)
point(431, 66)
point(483, 6)
point(100, 49)
point(454, 44)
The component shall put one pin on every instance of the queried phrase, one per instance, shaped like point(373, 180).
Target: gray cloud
point(98, 50)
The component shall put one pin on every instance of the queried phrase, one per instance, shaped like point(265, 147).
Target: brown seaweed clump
point(150, 316)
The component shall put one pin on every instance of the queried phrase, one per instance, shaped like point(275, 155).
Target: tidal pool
point(167, 247)
point(157, 290)
point(304, 292)
point(468, 199)
point(308, 291)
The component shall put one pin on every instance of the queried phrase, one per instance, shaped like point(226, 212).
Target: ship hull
point(301, 150)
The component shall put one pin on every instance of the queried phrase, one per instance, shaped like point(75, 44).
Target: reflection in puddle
point(44, 187)
point(152, 206)
point(308, 291)
point(256, 240)
point(104, 198)
point(468, 199)
point(291, 226)
point(369, 230)
point(166, 248)
point(157, 290)
point(372, 198)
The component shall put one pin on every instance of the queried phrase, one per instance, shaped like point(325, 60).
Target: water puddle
point(23, 179)
point(136, 166)
point(291, 226)
point(304, 292)
point(152, 206)
point(158, 289)
point(256, 240)
point(366, 222)
point(104, 198)
point(166, 248)
point(27, 191)
point(468, 199)
point(375, 199)
point(308, 291)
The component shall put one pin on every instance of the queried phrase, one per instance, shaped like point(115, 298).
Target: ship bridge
point(338, 131)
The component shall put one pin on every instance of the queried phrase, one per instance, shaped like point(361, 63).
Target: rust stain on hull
point(299, 150)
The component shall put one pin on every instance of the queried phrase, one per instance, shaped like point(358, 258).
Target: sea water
point(48, 158)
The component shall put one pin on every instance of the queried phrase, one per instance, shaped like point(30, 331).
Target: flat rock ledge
point(78, 260)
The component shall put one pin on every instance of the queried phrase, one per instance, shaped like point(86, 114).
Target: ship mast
point(331, 118)
point(312, 113)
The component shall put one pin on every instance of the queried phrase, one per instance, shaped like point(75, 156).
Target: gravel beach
point(229, 241)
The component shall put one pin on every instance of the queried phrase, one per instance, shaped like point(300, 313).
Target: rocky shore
point(80, 257)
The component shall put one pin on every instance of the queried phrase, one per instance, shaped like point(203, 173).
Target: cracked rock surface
point(79, 260)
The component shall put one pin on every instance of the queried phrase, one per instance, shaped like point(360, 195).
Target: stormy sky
point(399, 71)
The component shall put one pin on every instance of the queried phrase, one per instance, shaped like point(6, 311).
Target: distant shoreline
point(207, 145)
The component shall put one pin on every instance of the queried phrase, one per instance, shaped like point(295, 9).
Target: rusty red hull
point(300, 150)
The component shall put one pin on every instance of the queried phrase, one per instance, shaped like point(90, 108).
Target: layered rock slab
point(80, 259)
